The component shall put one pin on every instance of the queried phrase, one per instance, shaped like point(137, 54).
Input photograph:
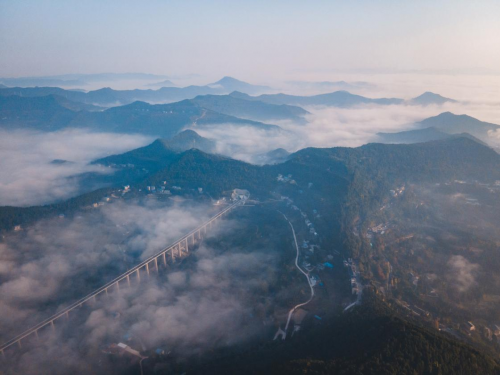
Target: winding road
point(305, 274)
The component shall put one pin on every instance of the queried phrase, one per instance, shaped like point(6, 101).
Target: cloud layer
point(211, 299)
point(29, 175)
point(331, 127)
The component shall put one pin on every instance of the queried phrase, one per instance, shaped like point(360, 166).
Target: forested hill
point(358, 177)
point(449, 158)
point(369, 340)
point(375, 168)
point(161, 152)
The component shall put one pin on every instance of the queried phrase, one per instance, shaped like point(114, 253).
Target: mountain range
point(342, 99)
point(442, 126)
point(53, 112)
point(450, 123)
point(248, 109)
point(71, 80)
point(329, 85)
point(108, 97)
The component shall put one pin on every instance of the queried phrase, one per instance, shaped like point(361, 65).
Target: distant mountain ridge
point(329, 85)
point(165, 83)
point(49, 113)
point(342, 99)
point(450, 123)
point(66, 80)
point(107, 97)
point(430, 98)
point(421, 135)
point(248, 109)
point(442, 126)
point(412, 136)
point(334, 99)
point(231, 84)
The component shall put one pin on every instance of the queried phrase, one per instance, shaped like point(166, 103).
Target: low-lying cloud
point(208, 302)
point(462, 273)
point(29, 174)
point(47, 262)
point(331, 127)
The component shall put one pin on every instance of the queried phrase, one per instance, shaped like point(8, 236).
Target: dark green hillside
point(161, 152)
point(11, 216)
point(369, 340)
point(214, 173)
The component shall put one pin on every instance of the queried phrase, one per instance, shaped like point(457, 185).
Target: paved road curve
point(305, 274)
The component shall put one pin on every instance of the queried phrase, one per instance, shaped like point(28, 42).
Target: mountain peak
point(429, 97)
point(231, 84)
point(227, 79)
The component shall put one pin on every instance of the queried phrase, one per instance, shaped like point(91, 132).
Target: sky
point(253, 40)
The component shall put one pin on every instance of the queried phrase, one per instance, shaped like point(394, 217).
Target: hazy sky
point(253, 40)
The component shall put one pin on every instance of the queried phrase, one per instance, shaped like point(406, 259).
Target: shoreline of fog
point(29, 175)
point(47, 262)
point(335, 127)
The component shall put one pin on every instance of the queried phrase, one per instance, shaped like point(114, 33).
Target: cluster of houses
point(240, 195)
point(378, 229)
point(286, 179)
point(467, 327)
point(159, 190)
point(351, 268)
point(397, 192)
point(415, 310)
point(221, 201)
point(289, 203)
